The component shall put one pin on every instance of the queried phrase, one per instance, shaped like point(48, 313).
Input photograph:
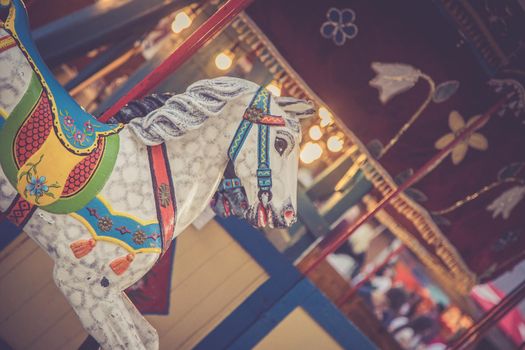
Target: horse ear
point(297, 108)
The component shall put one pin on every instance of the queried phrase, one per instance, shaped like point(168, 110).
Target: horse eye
point(280, 145)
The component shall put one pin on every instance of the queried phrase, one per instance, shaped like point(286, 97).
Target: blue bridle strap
point(261, 104)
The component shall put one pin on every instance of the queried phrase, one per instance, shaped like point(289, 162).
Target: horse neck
point(15, 73)
point(197, 161)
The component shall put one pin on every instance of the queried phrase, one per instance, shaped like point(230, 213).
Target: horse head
point(257, 146)
point(260, 181)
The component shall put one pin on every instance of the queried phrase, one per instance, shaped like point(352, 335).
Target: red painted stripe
point(164, 193)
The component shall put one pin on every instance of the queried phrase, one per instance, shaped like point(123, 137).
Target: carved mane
point(160, 118)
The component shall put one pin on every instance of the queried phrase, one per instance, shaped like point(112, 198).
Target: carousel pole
point(328, 245)
point(350, 292)
point(493, 316)
point(213, 25)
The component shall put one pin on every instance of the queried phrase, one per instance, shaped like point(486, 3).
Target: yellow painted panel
point(298, 331)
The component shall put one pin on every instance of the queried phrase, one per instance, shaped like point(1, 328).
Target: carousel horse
point(105, 200)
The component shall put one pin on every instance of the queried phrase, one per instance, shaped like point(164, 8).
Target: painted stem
point(413, 118)
point(213, 25)
point(329, 245)
point(475, 195)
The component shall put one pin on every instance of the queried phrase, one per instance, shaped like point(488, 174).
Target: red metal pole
point(350, 292)
point(213, 25)
point(478, 329)
point(327, 246)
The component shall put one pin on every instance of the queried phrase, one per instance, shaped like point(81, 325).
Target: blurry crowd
point(413, 319)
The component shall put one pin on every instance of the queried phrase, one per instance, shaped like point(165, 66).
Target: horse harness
point(230, 198)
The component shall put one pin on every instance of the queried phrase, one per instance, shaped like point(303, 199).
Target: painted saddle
point(57, 155)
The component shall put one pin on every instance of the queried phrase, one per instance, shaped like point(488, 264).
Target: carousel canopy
point(406, 77)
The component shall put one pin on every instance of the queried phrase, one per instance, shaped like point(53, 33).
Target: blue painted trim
point(8, 232)
point(274, 299)
point(247, 314)
point(283, 277)
point(262, 251)
point(305, 295)
point(335, 323)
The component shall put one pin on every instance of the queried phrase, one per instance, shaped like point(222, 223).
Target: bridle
point(258, 112)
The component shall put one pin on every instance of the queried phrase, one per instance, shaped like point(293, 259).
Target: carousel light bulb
point(274, 88)
point(326, 117)
point(224, 60)
point(335, 143)
point(181, 22)
point(315, 132)
point(311, 152)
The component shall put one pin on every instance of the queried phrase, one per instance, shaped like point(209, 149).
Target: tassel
point(226, 204)
point(262, 216)
point(120, 265)
point(82, 247)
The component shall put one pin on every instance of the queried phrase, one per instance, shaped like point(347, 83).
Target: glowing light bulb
point(311, 152)
point(315, 132)
point(335, 143)
point(326, 117)
point(181, 22)
point(274, 88)
point(224, 60)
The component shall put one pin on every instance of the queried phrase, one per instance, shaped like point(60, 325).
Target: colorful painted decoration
point(36, 130)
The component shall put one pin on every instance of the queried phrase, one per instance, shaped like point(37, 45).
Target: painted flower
point(79, 137)
point(164, 195)
point(457, 125)
point(105, 223)
point(69, 121)
point(506, 202)
point(139, 237)
point(88, 127)
point(37, 186)
point(393, 79)
point(339, 25)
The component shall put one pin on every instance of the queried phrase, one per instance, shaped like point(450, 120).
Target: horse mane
point(160, 118)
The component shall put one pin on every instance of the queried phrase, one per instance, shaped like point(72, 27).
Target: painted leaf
point(510, 170)
point(375, 147)
point(445, 90)
point(416, 194)
point(440, 220)
point(403, 176)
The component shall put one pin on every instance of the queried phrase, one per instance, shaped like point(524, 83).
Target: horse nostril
point(104, 282)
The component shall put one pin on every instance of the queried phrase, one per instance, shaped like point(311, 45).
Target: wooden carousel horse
point(105, 200)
